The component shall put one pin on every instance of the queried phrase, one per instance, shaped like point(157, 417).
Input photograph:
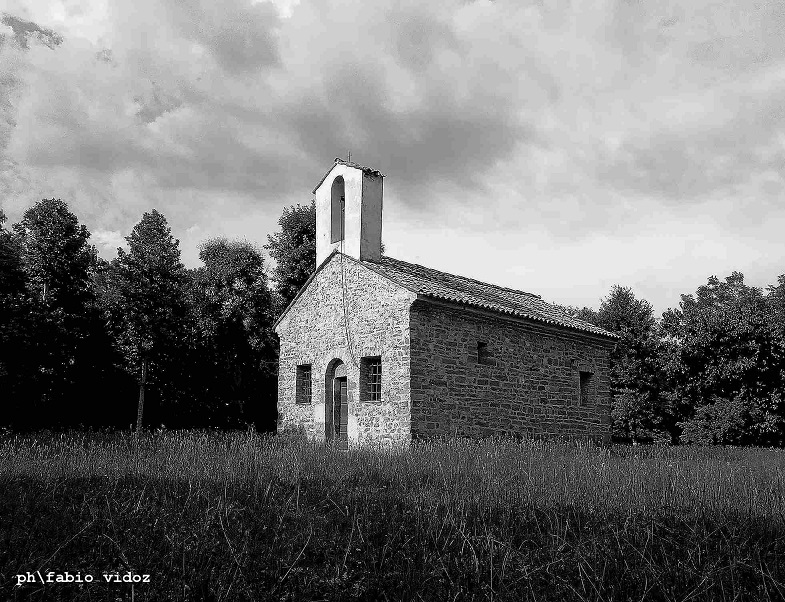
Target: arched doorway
point(336, 407)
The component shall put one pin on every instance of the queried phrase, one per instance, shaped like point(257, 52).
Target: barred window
point(304, 384)
point(371, 378)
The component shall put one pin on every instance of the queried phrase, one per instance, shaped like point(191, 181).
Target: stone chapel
point(377, 349)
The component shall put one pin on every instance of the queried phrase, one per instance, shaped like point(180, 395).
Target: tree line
point(86, 342)
point(710, 371)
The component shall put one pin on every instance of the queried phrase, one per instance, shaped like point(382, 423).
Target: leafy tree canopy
point(620, 311)
point(725, 356)
point(294, 250)
point(776, 302)
point(149, 283)
point(233, 287)
point(61, 352)
point(12, 279)
point(233, 305)
point(57, 259)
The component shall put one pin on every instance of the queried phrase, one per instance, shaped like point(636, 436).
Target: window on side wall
point(483, 353)
point(371, 379)
point(586, 379)
point(304, 384)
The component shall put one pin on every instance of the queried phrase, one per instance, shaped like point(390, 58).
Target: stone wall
point(529, 383)
point(313, 332)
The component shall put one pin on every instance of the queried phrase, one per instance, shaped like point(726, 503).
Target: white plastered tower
point(349, 212)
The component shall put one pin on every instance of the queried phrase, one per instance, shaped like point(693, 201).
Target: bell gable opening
point(337, 210)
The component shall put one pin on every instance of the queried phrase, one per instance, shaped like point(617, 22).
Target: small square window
point(371, 379)
point(304, 384)
point(585, 387)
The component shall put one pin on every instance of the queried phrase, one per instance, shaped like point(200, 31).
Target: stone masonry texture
point(313, 332)
point(528, 385)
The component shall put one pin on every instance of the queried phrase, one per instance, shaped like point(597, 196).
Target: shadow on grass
point(317, 540)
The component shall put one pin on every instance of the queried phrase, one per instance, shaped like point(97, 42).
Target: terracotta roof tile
point(441, 285)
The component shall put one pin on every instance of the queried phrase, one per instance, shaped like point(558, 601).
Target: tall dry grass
point(485, 473)
point(241, 516)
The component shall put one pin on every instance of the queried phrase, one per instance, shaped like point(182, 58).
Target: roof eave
point(604, 334)
point(609, 336)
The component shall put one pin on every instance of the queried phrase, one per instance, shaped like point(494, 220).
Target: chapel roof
point(459, 289)
point(339, 161)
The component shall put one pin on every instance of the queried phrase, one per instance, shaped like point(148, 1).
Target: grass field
point(238, 516)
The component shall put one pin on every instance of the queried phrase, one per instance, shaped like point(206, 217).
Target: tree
point(144, 295)
point(57, 259)
point(776, 303)
point(622, 312)
point(641, 410)
point(17, 365)
point(58, 262)
point(234, 309)
point(587, 314)
point(294, 251)
point(775, 300)
point(725, 363)
point(12, 278)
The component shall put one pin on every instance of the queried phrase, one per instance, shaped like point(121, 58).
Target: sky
point(558, 147)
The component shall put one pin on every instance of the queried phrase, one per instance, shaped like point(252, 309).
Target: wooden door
point(341, 413)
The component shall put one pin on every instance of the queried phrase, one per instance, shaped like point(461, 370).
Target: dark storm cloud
point(101, 116)
point(411, 91)
point(427, 99)
point(240, 36)
point(25, 31)
point(562, 139)
point(572, 105)
point(715, 158)
point(436, 141)
point(155, 103)
point(417, 36)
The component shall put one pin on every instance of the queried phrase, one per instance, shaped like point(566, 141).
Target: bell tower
point(349, 212)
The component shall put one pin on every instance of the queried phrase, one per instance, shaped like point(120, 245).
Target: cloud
point(704, 144)
point(395, 98)
point(25, 31)
point(239, 36)
point(578, 120)
point(107, 241)
point(154, 103)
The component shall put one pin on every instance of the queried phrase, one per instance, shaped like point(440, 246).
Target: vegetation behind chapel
point(75, 331)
